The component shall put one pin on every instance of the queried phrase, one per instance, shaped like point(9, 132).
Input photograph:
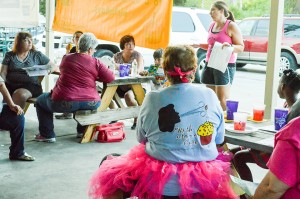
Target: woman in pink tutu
point(179, 128)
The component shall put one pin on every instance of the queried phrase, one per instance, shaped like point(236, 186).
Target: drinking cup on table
point(123, 70)
point(280, 117)
point(259, 112)
point(239, 121)
point(128, 69)
point(231, 107)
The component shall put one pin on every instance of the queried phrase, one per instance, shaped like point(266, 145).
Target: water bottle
point(134, 69)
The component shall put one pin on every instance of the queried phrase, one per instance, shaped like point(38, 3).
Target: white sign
point(19, 13)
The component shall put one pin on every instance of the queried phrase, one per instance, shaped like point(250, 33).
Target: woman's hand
point(226, 44)
point(16, 109)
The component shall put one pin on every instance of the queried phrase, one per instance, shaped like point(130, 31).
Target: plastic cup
point(259, 112)
point(280, 118)
point(123, 70)
point(231, 107)
point(239, 121)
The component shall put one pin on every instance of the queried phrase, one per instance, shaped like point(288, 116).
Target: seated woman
point(128, 55)
point(283, 177)
point(12, 119)
point(288, 89)
point(75, 88)
point(178, 128)
point(19, 84)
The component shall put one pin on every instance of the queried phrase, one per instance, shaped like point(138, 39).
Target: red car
point(255, 31)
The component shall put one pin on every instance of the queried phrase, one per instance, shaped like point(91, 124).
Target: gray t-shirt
point(15, 73)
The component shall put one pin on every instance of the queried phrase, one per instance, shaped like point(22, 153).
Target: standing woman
point(225, 31)
point(128, 55)
point(19, 84)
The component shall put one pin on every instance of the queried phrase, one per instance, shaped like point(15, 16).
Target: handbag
point(110, 132)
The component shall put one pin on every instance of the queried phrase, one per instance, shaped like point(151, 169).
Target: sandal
point(25, 157)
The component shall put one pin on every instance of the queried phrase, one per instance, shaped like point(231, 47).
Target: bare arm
point(140, 62)
point(270, 187)
point(53, 67)
point(237, 39)
point(8, 99)
point(3, 71)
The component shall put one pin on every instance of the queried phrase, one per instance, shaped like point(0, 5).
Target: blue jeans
point(13, 123)
point(45, 107)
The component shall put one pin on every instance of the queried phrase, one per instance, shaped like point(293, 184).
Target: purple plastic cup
point(123, 70)
point(280, 118)
point(128, 69)
point(231, 107)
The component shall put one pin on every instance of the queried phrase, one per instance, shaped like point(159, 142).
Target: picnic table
point(104, 116)
point(261, 138)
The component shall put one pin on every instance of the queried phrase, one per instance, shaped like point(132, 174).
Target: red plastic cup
point(259, 112)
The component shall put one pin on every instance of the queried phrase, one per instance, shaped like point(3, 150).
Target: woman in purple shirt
point(75, 89)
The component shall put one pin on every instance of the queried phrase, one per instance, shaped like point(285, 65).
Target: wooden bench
point(103, 117)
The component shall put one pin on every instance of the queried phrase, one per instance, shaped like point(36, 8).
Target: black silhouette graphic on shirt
point(167, 118)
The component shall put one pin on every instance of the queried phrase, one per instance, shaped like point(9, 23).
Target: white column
point(273, 61)
point(50, 9)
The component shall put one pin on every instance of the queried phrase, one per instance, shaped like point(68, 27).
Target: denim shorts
point(211, 76)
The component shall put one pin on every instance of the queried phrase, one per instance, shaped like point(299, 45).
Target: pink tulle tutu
point(144, 177)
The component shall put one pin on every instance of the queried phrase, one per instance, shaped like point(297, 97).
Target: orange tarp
point(149, 21)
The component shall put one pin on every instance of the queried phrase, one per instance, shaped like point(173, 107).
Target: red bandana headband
point(177, 72)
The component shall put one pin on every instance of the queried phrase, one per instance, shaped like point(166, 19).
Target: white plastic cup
point(239, 121)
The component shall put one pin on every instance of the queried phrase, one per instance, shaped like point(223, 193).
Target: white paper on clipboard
point(219, 57)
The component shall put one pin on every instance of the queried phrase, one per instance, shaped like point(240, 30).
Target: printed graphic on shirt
point(205, 132)
point(168, 117)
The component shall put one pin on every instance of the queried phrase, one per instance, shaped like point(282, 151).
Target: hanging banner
point(149, 21)
point(19, 13)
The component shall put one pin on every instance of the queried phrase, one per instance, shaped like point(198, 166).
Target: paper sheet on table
point(247, 186)
point(37, 70)
point(219, 57)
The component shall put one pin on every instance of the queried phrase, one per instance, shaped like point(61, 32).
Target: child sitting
point(156, 70)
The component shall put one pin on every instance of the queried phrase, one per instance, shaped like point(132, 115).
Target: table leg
point(107, 96)
point(88, 134)
point(139, 93)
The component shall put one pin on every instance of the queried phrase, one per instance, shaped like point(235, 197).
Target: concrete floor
point(62, 169)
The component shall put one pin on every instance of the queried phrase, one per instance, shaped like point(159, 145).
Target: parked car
point(255, 32)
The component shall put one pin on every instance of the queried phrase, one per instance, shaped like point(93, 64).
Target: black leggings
point(35, 89)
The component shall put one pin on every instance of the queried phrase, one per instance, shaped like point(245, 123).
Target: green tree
point(43, 7)
point(179, 2)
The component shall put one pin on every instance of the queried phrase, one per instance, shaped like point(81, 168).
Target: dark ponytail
point(292, 79)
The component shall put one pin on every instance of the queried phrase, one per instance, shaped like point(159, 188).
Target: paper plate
point(249, 129)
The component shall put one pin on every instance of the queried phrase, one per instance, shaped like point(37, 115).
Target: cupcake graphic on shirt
point(205, 132)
